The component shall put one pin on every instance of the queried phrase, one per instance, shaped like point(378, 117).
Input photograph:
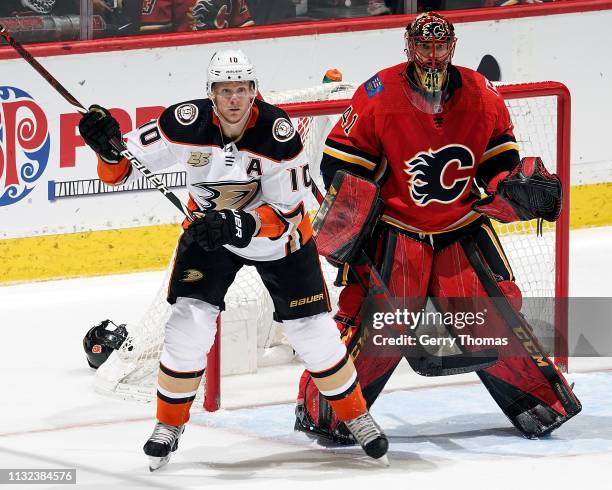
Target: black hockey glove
point(97, 128)
point(226, 227)
point(528, 192)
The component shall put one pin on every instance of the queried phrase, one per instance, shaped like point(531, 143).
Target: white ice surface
point(444, 432)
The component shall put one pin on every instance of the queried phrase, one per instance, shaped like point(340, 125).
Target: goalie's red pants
point(417, 266)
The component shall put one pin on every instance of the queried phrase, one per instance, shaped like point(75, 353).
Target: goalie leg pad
point(529, 388)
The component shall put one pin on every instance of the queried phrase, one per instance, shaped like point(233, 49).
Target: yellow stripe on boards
point(94, 253)
point(591, 205)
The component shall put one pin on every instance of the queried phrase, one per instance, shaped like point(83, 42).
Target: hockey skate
point(369, 436)
point(162, 443)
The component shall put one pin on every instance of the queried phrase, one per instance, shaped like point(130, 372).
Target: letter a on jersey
point(440, 175)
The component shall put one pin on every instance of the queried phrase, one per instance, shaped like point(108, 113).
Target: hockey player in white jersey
point(247, 177)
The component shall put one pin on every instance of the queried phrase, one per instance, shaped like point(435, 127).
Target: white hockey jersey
point(265, 170)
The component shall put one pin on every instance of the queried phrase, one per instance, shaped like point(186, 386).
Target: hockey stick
point(421, 361)
point(116, 143)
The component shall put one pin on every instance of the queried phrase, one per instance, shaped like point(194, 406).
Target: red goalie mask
point(430, 44)
point(430, 41)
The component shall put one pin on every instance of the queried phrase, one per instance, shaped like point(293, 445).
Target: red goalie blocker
point(346, 217)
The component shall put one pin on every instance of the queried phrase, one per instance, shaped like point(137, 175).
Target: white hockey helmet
point(230, 65)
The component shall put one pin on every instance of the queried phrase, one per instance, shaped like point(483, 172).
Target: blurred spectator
point(273, 11)
point(218, 14)
point(378, 7)
point(193, 15)
point(11, 8)
point(122, 17)
point(336, 9)
point(427, 5)
point(396, 6)
point(164, 16)
point(41, 20)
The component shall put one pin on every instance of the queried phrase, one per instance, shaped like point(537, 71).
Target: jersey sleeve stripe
point(351, 150)
point(345, 157)
point(504, 138)
point(353, 153)
point(496, 150)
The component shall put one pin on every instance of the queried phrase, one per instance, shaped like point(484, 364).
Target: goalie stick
point(421, 361)
point(116, 143)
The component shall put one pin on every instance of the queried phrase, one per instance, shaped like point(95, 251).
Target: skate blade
point(384, 461)
point(157, 463)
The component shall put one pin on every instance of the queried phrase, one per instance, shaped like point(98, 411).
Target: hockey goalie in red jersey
point(434, 136)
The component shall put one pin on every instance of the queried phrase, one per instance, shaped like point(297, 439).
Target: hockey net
point(250, 337)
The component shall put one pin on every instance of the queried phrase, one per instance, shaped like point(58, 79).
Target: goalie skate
point(162, 443)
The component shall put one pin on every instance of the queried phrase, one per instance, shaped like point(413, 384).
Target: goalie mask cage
point(541, 116)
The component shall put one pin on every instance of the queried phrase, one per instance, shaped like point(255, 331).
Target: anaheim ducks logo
point(191, 275)
point(439, 175)
point(227, 195)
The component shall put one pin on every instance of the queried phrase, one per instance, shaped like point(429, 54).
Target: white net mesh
point(131, 371)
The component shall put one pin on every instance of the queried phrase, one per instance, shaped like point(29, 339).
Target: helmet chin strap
point(231, 126)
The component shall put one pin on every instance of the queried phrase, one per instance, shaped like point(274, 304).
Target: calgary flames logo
point(441, 175)
point(24, 144)
point(434, 30)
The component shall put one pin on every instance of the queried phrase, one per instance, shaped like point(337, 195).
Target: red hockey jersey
point(427, 164)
